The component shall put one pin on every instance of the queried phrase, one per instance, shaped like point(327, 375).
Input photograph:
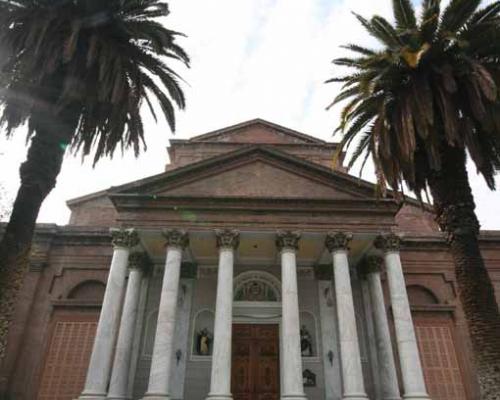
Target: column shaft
point(159, 376)
point(388, 375)
point(352, 372)
point(118, 386)
point(220, 382)
point(411, 368)
point(107, 327)
point(292, 359)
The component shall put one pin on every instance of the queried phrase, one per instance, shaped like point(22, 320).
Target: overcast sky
point(250, 58)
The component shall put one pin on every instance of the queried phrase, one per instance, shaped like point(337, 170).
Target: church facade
point(252, 269)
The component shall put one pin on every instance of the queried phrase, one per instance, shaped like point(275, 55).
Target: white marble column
point(350, 359)
point(100, 361)
point(118, 387)
point(288, 243)
point(371, 268)
point(161, 363)
point(220, 382)
point(411, 368)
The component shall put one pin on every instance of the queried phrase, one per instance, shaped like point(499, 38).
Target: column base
point(156, 396)
point(301, 396)
point(92, 396)
point(212, 396)
point(355, 396)
point(416, 396)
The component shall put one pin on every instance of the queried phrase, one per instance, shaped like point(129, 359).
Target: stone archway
point(257, 286)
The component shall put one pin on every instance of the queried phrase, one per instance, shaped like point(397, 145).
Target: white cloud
point(250, 58)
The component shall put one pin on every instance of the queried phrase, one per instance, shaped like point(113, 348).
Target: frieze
point(176, 238)
point(337, 241)
point(124, 237)
point(287, 240)
point(227, 238)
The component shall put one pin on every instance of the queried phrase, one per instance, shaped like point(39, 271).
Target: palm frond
point(62, 59)
point(429, 19)
point(379, 31)
point(404, 14)
point(456, 15)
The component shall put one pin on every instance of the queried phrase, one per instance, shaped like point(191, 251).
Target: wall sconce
point(330, 357)
point(178, 355)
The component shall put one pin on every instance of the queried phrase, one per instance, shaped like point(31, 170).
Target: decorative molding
point(371, 264)
point(388, 242)
point(176, 238)
point(287, 240)
point(337, 241)
point(227, 238)
point(124, 237)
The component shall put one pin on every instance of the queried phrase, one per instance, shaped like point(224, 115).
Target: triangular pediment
point(257, 131)
point(258, 178)
point(254, 172)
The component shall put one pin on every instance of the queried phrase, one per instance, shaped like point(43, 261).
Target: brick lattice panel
point(439, 359)
point(67, 358)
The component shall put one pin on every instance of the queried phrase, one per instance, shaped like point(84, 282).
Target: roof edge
point(297, 134)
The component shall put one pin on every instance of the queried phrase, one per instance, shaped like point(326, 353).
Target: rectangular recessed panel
point(67, 358)
point(439, 359)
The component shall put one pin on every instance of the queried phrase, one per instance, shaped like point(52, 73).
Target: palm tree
point(417, 105)
point(76, 73)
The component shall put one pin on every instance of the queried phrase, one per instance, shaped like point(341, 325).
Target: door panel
point(67, 356)
point(441, 367)
point(255, 370)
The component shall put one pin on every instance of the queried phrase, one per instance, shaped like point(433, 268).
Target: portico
point(308, 295)
point(257, 275)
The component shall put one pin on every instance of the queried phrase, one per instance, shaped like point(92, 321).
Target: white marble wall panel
point(182, 329)
point(329, 339)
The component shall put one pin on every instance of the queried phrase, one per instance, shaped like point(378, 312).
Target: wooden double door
point(255, 371)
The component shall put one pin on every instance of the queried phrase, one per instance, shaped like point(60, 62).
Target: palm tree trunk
point(454, 205)
point(38, 177)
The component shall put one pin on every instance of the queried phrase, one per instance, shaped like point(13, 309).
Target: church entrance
point(255, 362)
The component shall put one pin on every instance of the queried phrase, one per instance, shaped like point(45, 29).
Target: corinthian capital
point(176, 238)
point(337, 241)
point(287, 240)
point(227, 238)
point(124, 237)
point(387, 242)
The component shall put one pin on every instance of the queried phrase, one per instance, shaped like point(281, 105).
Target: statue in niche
point(203, 341)
point(305, 342)
point(308, 378)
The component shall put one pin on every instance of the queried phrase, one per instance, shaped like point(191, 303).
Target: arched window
point(420, 296)
point(256, 286)
point(88, 290)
